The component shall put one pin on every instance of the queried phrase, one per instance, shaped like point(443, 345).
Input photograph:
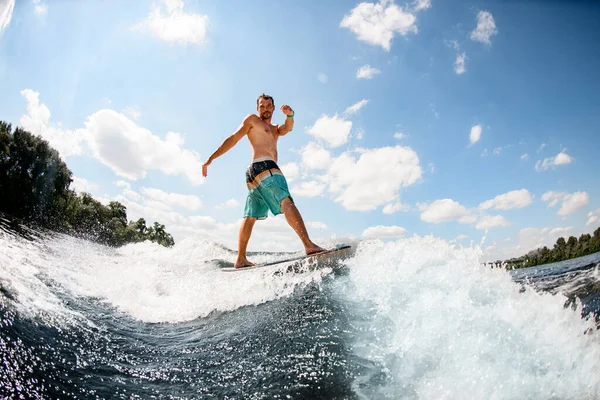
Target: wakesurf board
point(323, 258)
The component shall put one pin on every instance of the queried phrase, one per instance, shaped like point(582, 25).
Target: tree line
point(34, 187)
point(564, 249)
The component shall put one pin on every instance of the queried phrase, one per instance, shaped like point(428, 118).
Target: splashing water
point(412, 319)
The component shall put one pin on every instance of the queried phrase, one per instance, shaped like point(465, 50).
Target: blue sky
point(468, 120)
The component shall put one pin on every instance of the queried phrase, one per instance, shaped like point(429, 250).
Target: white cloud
point(525, 156)
point(486, 28)
point(367, 72)
point(186, 201)
point(127, 191)
point(322, 77)
point(513, 199)
point(314, 156)
point(40, 8)
point(291, 171)
point(497, 151)
point(400, 135)
point(353, 109)
point(333, 130)
point(561, 158)
point(169, 22)
point(571, 202)
point(130, 150)
point(377, 24)
point(83, 185)
point(459, 63)
point(231, 203)
point(308, 189)
point(393, 208)
point(384, 231)
point(491, 221)
point(419, 5)
point(116, 141)
point(475, 134)
point(37, 121)
point(373, 180)
point(484, 153)
point(461, 237)
point(593, 217)
point(452, 44)
point(445, 210)
point(6, 11)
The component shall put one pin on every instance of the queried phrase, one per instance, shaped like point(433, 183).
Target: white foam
point(444, 327)
point(148, 281)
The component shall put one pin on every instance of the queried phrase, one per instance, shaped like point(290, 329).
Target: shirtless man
point(267, 187)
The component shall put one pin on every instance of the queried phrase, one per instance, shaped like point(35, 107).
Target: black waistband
point(257, 167)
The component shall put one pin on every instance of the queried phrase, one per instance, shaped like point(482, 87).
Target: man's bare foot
point(313, 249)
point(242, 263)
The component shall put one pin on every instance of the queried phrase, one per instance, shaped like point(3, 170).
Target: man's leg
point(243, 238)
point(293, 217)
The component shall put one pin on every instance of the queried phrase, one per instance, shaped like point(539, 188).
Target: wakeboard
point(323, 258)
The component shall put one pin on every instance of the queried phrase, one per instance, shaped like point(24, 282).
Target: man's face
point(265, 108)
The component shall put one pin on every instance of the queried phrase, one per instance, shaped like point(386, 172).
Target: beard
point(266, 115)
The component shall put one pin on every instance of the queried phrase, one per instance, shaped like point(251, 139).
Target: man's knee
point(286, 203)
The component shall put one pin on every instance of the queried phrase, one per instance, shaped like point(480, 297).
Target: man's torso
point(263, 139)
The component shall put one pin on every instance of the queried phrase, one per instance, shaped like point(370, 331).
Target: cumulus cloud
point(486, 28)
point(186, 201)
point(445, 210)
point(475, 134)
point(561, 158)
point(290, 170)
point(513, 199)
point(231, 203)
point(116, 141)
point(384, 231)
point(570, 202)
point(333, 130)
point(491, 221)
point(169, 22)
point(81, 185)
point(419, 5)
point(367, 72)
point(374, 179)
point(314, 156)
point(37, 121)
point(308, 189)
point(393, 208)
point(377, 23)
point(593, 217)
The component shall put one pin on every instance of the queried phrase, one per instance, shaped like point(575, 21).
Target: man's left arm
point(289, 120)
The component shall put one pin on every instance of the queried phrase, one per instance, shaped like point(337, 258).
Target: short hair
point(266, 97)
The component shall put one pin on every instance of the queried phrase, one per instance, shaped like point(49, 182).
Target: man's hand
point(205, 168)
point(287, 110)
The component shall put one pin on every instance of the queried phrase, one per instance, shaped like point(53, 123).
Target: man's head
point(265, 106)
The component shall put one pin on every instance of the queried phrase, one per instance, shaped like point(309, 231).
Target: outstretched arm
point(289, 120)
point(228, 143)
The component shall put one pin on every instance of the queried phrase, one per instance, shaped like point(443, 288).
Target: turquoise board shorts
point(266, 188)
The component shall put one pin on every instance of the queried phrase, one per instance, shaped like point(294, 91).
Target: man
point(267, 187)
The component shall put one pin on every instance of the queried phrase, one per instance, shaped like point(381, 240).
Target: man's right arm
point(228, 143)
